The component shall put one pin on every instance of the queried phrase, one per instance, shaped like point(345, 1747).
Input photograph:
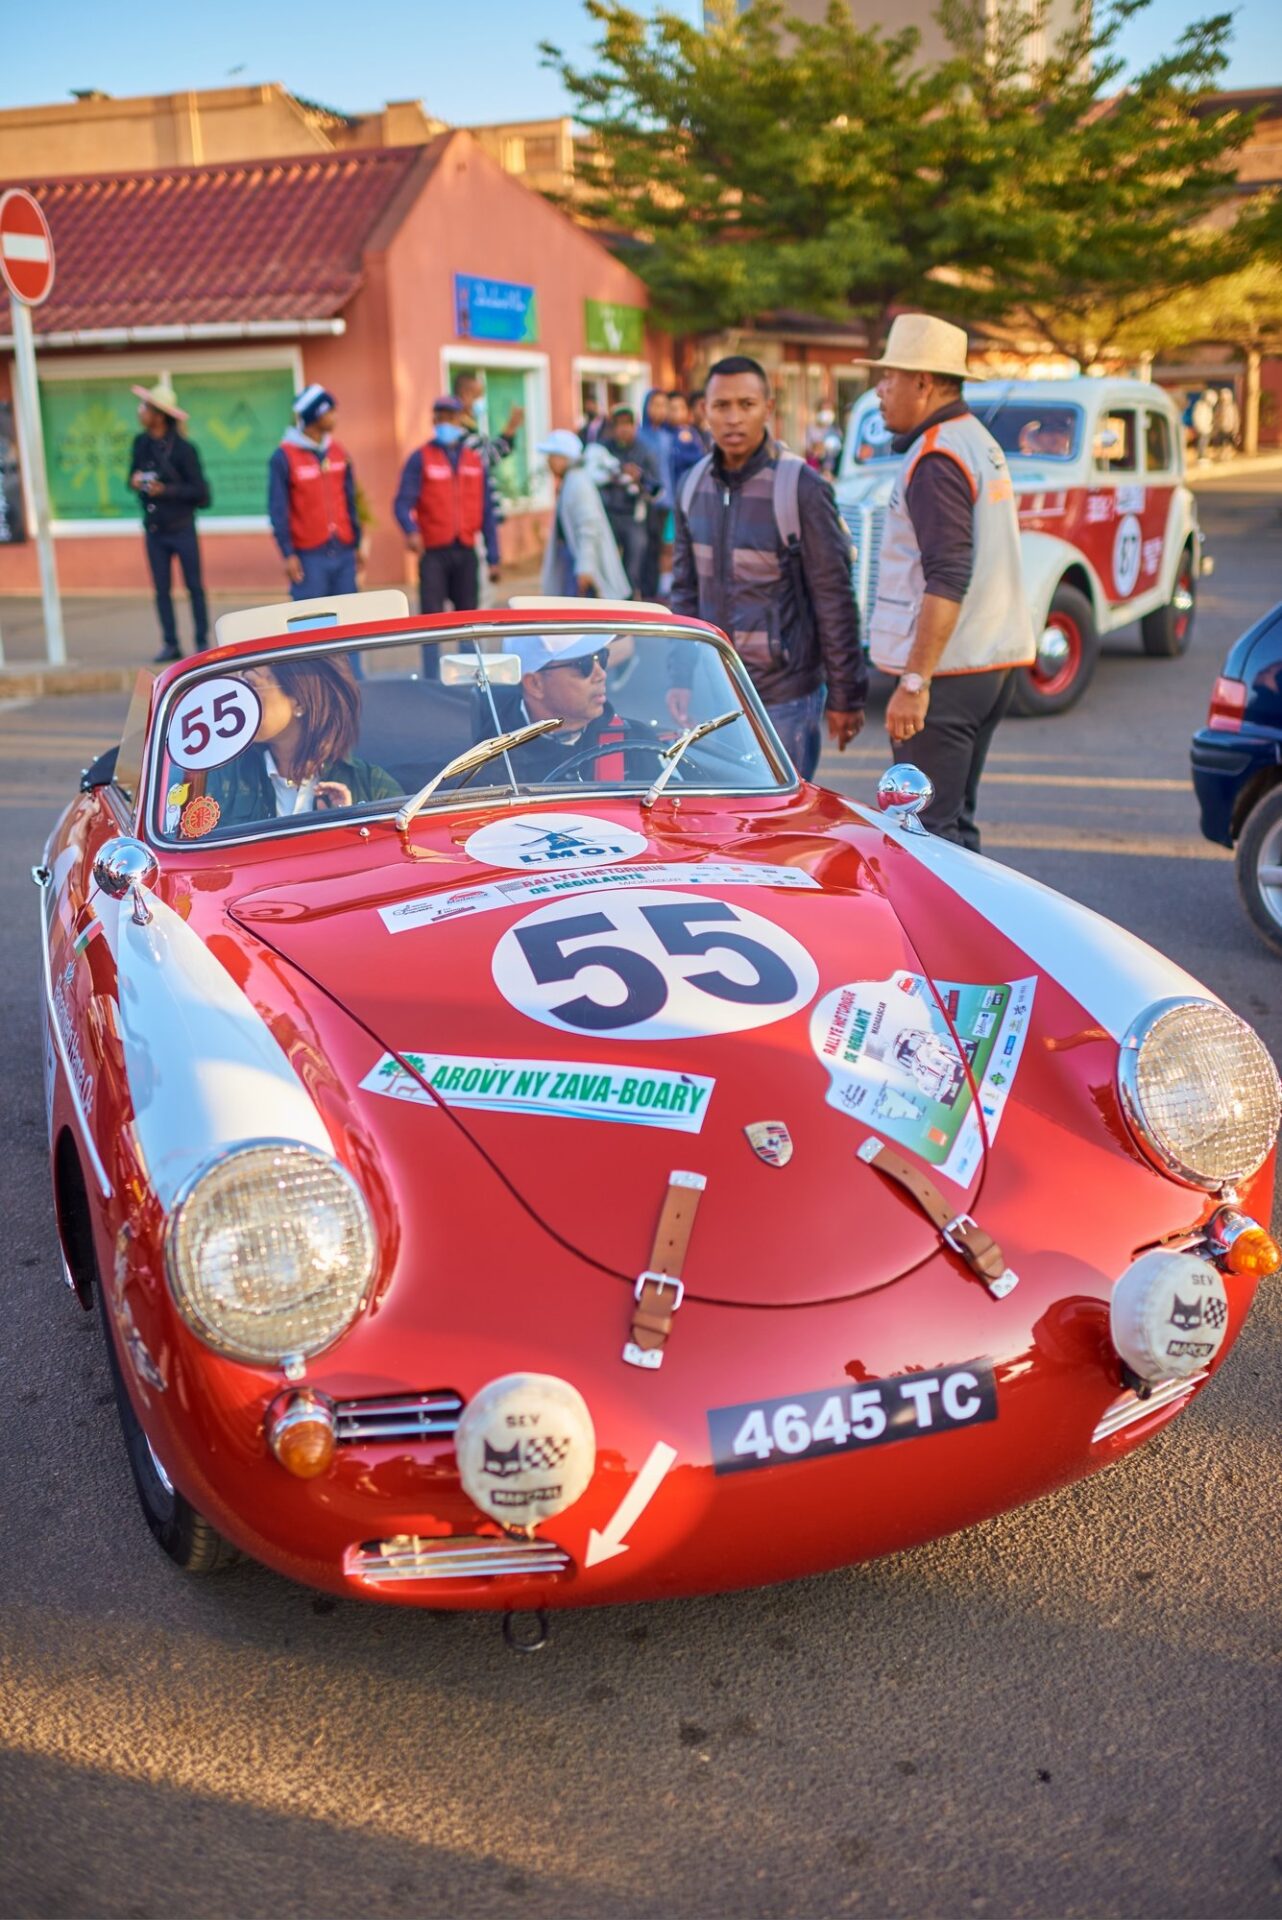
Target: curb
point(37, 683)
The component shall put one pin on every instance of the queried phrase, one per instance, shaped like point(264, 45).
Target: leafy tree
point(1242, 310)
point(772, 163)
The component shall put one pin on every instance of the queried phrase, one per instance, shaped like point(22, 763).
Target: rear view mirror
point(464, 669)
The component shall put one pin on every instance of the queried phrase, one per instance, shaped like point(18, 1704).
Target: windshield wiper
point(673, 753)
point(470, 760)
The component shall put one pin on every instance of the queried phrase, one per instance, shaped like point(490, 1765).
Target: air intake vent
point(1130, 1408)
point(399, 1416)
point(464, 1557)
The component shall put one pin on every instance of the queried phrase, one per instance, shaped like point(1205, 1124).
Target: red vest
point(318, 497)
point(451, 503)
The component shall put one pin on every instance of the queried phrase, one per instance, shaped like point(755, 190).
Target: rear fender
point(1049, 560)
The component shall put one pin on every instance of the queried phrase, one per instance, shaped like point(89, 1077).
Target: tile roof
point(254, 240)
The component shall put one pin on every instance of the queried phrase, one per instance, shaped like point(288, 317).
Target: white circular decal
point(526, 1448)
point(652, 965)
point(534, 841)
point(1127, 542)
point(212, 722)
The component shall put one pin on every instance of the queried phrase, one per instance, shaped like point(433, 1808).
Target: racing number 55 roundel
point(652, 965)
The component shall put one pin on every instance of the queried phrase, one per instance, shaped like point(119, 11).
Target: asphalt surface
point(1071, 1710)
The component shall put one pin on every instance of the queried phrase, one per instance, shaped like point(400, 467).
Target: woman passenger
point(300, 759)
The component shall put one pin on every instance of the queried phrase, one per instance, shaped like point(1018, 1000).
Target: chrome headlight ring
point(270, 1251)
point(1199, 1091)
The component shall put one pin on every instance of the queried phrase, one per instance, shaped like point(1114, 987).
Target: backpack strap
point(787, 480)
point(690, 485)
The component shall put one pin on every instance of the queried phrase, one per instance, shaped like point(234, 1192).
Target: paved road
point(1073, 1710)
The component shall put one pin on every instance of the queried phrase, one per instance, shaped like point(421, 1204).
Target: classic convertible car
point(528, 1150)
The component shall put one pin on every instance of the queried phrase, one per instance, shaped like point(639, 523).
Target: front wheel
point(1259, 868)
point(1166, 633)
point(1067, 650)
point(185, 1535)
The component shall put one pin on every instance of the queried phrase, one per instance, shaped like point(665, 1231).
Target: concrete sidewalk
point(109, 636)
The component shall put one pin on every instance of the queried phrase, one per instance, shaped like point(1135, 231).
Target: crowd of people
point(757, 546)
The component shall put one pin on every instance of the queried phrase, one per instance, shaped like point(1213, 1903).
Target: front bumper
point(1223, 764)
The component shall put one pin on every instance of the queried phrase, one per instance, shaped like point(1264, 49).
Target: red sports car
point(529, 1150)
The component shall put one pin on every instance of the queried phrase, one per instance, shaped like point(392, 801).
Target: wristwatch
point(913, 683)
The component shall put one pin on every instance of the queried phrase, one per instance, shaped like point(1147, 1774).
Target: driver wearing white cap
point(563, 677)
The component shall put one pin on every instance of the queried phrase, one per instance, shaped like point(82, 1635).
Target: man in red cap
point(166, 474)
point(443, 502)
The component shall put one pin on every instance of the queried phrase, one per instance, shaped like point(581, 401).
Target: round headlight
point(270, 1252)
point(1200, 1092)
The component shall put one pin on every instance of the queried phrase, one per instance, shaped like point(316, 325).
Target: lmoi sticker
point(652, 965)
point(212, 722)
point(537, 841)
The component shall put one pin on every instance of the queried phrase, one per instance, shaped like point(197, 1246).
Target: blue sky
point(472, 63)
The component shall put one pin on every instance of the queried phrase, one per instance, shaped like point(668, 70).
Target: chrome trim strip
point(398, 1417)
point(82, 1118)
point(459, 1558)
point(1129, 1409)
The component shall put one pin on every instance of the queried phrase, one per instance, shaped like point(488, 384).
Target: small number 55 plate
point(846, 1419)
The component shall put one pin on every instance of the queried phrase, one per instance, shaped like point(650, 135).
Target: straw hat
point(917, 343)
point(162, 397)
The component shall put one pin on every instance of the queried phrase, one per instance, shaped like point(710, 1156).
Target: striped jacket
point(728, 569)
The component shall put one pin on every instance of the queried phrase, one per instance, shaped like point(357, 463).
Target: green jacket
point(244, 790)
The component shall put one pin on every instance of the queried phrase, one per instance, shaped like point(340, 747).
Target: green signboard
point(612, 328)
point(236, 419)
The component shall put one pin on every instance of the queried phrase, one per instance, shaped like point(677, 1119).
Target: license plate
point(805, 1426)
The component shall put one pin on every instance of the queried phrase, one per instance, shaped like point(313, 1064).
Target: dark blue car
point(1237, 770)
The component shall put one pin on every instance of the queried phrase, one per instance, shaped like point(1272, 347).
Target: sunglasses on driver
point(583, 664)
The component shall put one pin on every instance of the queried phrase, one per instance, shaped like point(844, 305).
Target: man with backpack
point(761, 553)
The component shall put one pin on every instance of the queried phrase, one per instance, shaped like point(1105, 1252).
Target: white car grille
point(399, 1416)
point(463, 1557)
point(1124, 1412)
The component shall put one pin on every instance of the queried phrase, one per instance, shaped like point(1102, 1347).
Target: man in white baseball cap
point(563, 677)
point(951, 618)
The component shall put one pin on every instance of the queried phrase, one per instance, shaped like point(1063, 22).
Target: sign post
point(26, 265)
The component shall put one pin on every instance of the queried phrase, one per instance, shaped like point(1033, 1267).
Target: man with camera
point(166, 474)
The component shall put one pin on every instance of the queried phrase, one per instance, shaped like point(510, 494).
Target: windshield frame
point(320, 640)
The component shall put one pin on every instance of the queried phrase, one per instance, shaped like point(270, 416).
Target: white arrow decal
point(604, 1546)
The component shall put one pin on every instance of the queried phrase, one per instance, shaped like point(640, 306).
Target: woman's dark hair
point(330, 699)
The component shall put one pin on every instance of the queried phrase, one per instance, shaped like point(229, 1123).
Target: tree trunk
point(1251, 402)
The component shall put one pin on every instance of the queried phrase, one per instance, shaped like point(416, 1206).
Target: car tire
point(185, 1535)
point(1067, 652)
point(1259, 853)
point(1166, 633)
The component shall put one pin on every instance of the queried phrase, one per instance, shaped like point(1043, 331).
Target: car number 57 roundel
point(652, 965)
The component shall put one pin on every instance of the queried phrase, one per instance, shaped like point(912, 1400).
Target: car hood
point(782, 1016)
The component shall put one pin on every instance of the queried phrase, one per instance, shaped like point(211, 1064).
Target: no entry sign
point(26, 247)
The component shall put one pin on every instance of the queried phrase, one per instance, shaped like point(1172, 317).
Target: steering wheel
point(602, 750)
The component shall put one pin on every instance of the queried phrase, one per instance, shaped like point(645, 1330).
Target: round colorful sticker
point(652, 965)
point(534, 841)
point(1127, 543)
point(212, 722)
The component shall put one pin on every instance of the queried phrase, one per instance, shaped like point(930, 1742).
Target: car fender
point(1181, 527)
point(199, 1057)
point(1110, 973)
point(1046, 560)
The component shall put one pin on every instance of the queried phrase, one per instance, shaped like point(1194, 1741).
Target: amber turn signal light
point(301, 1431)
point(1253, 1253)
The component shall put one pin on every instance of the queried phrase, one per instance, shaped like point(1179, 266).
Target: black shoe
point(165, 656)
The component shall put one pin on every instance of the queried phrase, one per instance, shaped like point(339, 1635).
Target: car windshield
point(248, 746)
point(1033, 430)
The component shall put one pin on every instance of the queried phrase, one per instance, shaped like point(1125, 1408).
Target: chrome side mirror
point(464, 669)
point(123, 867)
point(904, 790)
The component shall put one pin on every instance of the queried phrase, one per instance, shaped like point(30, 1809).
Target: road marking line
point(1070, 840)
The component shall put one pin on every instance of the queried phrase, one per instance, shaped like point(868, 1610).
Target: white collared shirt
point(290, 798)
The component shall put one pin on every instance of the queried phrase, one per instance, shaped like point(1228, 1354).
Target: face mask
point(448, 433)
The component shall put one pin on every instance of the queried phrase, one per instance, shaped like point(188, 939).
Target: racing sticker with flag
point(560, 1089)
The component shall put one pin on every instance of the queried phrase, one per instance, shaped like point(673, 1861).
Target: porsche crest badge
point(771, 1141)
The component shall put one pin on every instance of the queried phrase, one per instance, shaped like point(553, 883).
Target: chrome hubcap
point(1183, 601)
point(157, 1463)
point(1268, 874)
point(1053, 650)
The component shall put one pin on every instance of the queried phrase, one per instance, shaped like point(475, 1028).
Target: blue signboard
point(494, 310)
